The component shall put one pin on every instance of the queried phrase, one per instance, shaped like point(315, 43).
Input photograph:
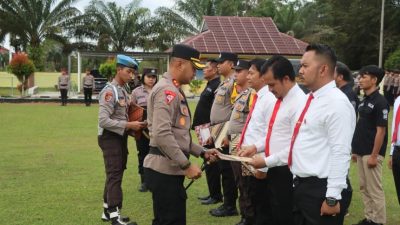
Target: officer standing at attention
point(112, 139)
point(140, 96)
point(221, 112)
point(88, 87)
point(369, 145)
point(170, 141)
point(63, 86)
point(319, 151)
point(202, 116)
point(241, 109)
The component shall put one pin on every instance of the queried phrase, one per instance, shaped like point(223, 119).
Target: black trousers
point(309, 194)
point(260, 200)
point(396, 170)
point(115, 154)
point(213, 176)
point(228, 181)
point(280, 195)
point(347, 195)
point(64, 96)
point(88, 95)
point(143, 147)
point(169, 198)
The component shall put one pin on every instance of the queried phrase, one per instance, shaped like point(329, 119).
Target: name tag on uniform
point(370, 105)
point(122, 102)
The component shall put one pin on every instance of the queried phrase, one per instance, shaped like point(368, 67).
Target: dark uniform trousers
point(244, 186)
point(228, 181)
point(396, 170)
point(115, 154)
point(213, 175)
point(260, 200)
point(64, 96)
point(143, 147)
point(88, 95)
point(280, 195)
point(169, 197)
point(347, 195)
point(309, 194)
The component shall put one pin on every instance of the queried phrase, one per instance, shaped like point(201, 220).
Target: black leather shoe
point(224, 211)
point(203, 198)
point(106, 217)
point(364, 222)
point(210, 201)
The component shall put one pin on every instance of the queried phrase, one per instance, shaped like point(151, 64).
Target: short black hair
point(281, 67)
point(327, 52)
point(258, 63)
point(213, 62)
point(342, 69)
point(374, 71)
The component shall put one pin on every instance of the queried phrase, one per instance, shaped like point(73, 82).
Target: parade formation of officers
point(299, 146)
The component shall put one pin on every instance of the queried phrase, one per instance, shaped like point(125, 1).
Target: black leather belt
point(299, 180)
point(156, 151)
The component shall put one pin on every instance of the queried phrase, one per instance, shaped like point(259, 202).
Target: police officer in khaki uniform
point(88, 87)
point(170, 141)
point(140, 96)
point(241, 109)
point(63, 86)
point(112, 139)
point(220, 112)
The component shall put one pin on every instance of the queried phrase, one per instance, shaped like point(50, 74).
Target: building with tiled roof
point(245, 36)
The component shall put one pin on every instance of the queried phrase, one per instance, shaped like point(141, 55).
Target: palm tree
point(169, 27)
point(114, 26)
point(33, 21)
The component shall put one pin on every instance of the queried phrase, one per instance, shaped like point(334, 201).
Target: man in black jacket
point(202, 116)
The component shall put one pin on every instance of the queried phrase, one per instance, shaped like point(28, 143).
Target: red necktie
point(396, 126)
point(297, 127)
point(247, 122)
point(271, 124)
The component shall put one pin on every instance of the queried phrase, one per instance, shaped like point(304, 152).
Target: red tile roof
point(244, 35)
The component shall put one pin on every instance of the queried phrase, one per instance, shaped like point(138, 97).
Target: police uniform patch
point(182, 121)
point(169, 96)
point(108, 96)
point(385, 114)
point(185, 110)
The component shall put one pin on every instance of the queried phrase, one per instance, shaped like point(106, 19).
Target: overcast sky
point(151, 4)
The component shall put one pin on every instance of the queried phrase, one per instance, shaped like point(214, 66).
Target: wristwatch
point(331, 201)
point(202, 154)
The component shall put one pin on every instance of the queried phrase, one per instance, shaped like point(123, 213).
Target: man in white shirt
point(281, 81)
point(394, 161)
point(319, 153)
point(254, 135)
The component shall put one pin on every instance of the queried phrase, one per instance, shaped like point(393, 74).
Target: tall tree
point(114, 26)
point(33, 21)
point(168, 27)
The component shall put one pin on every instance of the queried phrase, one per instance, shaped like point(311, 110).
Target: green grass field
point(52, 172)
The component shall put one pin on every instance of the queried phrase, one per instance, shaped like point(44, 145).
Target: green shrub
point(195, 85)
point(393, 61)
point(108, 69)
